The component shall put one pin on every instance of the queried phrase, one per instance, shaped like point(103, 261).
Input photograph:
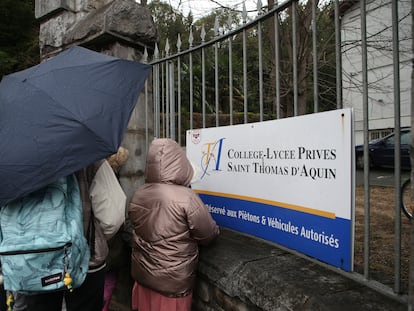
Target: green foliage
point(170, 23)
point(19, 35)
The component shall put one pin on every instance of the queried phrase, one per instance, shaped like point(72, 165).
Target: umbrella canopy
point(62, 115)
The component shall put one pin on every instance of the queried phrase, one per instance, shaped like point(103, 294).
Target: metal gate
point(294, 58)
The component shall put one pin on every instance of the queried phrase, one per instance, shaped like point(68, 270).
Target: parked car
point(381, 151)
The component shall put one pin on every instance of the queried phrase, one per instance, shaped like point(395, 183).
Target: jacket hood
point(167, 163)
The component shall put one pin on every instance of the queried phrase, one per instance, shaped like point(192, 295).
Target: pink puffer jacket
point(169, 221)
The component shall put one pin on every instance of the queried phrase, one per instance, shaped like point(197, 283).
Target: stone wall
point(121, 28)
point(243, 273)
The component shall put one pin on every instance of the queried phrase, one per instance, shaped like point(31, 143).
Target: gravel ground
point(382, 230)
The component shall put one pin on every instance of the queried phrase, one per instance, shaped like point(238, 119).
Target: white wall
point(380, 64)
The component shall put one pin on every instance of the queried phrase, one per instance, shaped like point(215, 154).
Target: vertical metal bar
point(190, 41)
point(216, 69)
point(366, 138)
point(172, 100)
point(229, 22)
point(155, 90)
point(179, 98)
point(154, 97)
point(203, 81)
point(157, 101)
point(411, 258)
point(162, 112)
point(245, 96)
point(277, 62)
point(146, 116)
point(161, 95)
point(294, 60)
point(338, 39)
point(231, 80)
point(167, 99)
point(315, 59)
point(145, 60)
point(191, 90)
point(259, 38)
point(397, 150)
point(179, 89)
point(216, 81)
point(203, 84)
point(156, 93)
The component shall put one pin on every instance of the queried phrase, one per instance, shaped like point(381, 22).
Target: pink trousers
point(110, 283)
point(145, 299)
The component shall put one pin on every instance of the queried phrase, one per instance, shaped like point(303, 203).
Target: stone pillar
point(121, 28)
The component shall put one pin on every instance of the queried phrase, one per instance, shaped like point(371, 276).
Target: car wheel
point(360, 161)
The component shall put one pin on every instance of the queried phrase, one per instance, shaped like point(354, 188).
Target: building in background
point(380, 71)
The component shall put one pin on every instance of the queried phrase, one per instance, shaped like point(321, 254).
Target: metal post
point(315, 59)
point(367, 218)
point(295, 61)
point(277, 62)
point(179, 89)
point(397, 149)
point(259, 34)
point(203, 76)
point(190, 40)
point(245, 95)
point(216, 70)
point(172, 101)
point(338, 54)
point(230, 73)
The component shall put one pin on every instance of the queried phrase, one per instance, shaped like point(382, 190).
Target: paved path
point(380, 177)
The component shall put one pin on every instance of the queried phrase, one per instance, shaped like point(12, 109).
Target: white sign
point(289, 181)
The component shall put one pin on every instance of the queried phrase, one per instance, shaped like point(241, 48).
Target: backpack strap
point(85, 177)
point(91, 171)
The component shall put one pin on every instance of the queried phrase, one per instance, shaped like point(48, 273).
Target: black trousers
point(3, 294)
point(88, 297)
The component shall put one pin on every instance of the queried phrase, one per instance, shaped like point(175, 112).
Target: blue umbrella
point(62, 115)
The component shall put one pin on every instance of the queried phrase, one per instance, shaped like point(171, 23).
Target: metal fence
point(284, 61)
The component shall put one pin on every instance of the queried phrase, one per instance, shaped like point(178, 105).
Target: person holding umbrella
point(169, 221)
point(66, 113)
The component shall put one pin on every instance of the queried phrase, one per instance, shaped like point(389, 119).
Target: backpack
point(42, 244)
point(108, 200)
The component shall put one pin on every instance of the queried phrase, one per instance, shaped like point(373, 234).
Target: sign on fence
point(289, 181)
